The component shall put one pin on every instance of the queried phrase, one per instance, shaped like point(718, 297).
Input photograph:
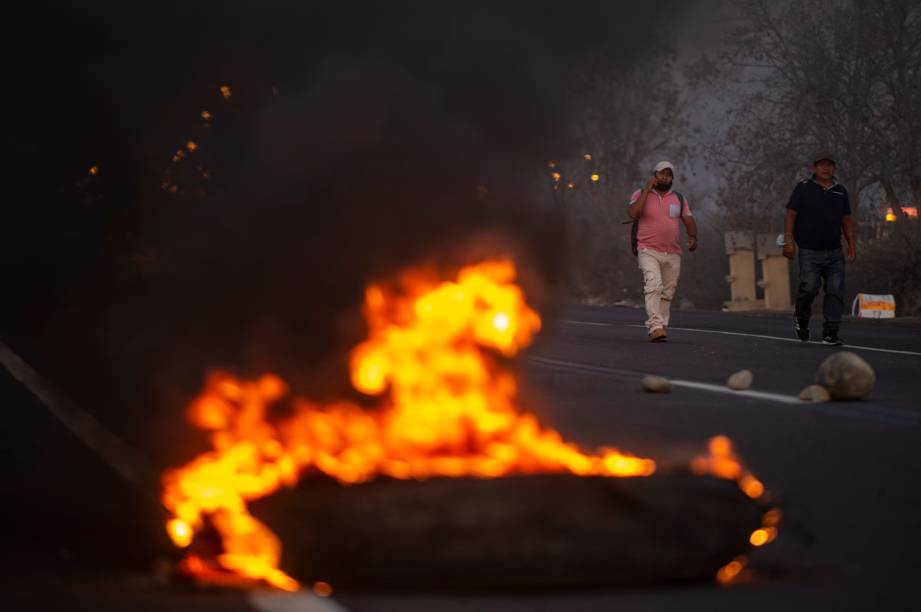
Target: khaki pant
point(660, 279)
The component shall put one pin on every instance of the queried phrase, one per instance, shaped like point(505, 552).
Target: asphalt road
point(81, 536)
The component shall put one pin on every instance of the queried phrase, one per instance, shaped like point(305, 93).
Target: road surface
point(81, 535)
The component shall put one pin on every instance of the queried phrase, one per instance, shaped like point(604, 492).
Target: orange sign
point(869, 306)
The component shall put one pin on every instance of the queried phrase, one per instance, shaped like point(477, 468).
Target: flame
point(908, 211)
point(722, 462)
point(762, 536)
point(729, 572)
point(436, 355)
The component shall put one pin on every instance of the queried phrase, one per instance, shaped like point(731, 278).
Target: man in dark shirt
point(818, 210)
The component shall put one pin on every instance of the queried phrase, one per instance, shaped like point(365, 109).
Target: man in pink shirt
point(657, 209)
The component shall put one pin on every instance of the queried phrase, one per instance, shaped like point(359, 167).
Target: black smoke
point(359, 138)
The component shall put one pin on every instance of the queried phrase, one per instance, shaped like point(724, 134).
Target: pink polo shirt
point(658, 229)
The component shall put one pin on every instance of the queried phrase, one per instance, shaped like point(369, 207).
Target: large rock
point(657, 384)
point(846, 375)
point(741, 380)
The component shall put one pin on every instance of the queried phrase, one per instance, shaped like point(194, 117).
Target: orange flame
point(731, 571)
point(435, 353)
point(908, 211)
point(722, 462)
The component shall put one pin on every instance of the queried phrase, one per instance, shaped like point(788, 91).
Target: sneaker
point(657, 335)
point(802, 330)
point(832, 339)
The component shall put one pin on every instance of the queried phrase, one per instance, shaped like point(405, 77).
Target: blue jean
point(815, 269)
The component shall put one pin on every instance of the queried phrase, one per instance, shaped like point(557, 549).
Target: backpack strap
point(633, 233)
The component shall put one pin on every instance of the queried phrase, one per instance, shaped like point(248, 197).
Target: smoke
point(358, 140)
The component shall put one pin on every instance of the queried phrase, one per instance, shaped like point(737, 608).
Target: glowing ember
point(94, 170)
point(762, 536)
point(225, 91)
point(908, 211)
point(731, 570)
point(722, 462)
point(322, 589)
point(436, 355)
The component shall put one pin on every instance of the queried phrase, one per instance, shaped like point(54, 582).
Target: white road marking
point(845, 346)
point(871, 413)
point(622, 375)
point(278, 601)
point(122, 457)
point(766, 337)
point(764, 395)
point(586, 323)
point(628, 375)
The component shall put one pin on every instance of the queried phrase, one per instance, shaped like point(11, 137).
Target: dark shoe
point(802, 330)
point(657, 335)
point(832, 339)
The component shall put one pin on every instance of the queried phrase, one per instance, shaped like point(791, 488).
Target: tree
point(807, 75)
point(627, 115)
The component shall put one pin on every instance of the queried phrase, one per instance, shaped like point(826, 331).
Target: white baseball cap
point(662, 165)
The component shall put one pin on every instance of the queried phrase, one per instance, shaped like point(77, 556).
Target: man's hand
point(789, 250)
point(692, 243)
point(851, 252)
point(651, 183)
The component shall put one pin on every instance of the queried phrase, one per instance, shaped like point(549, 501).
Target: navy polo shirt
point(819, 212)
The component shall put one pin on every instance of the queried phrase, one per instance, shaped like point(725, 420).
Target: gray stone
point(846, 375)
point(815, 393)
point(741, 380)
point(657, 384)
